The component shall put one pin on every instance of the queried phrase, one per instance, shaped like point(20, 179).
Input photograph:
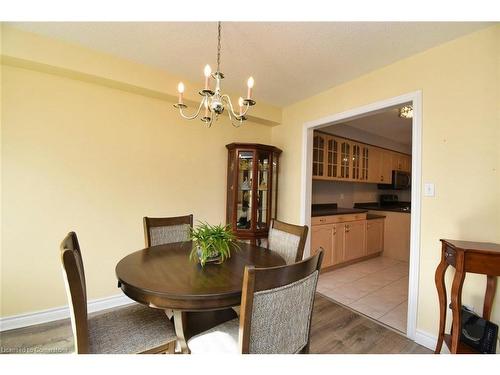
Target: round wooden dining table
point(164, 277)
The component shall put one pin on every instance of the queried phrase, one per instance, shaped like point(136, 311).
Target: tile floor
point(376, 287)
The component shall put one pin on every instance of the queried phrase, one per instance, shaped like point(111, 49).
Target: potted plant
point(212, 243)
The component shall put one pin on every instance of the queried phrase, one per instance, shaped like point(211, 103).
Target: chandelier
point(214, 102)
point(406, 111)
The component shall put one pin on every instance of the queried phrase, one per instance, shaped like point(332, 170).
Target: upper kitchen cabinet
point(379, 165)
point(332, 157)
point(340, 159)
point(319, 141)
point(345, 159)
point(401, 162)
point(386, 167)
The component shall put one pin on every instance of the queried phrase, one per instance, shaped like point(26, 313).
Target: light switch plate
point(429, 190)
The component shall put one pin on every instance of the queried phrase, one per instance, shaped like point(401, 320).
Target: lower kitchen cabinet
point(329, 237)
point(374, 236)
point(321, 237)
point(354, 240)
point(345, 242)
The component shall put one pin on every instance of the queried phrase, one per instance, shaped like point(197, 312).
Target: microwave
point(400, 181)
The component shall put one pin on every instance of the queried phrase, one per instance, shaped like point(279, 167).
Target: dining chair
point(163, 230)
point(288, 240)
point(276, 311)
point(132, 329)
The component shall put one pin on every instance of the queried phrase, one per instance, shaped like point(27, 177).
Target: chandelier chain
point(219, 27)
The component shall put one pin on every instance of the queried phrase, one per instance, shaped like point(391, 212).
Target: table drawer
point(332, 219)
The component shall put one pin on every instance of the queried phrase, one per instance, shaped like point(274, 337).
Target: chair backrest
point(276, 307)
point(76, 292)
point(288, 240)
point(163, 230)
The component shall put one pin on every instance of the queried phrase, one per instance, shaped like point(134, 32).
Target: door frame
point(416, 183)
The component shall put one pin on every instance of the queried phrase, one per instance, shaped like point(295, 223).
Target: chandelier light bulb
point(207, 71)
point(250, 84)
point(180, 88)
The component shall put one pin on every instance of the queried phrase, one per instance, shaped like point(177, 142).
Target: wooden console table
point(473, 257)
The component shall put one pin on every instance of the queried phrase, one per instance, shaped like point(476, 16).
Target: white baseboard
point(58, 313)
point(426, 339)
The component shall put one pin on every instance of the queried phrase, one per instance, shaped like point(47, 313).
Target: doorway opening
point(361, 182)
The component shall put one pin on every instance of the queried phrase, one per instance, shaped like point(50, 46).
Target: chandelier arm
point(197, 112)
point(227, 99)
point(231, 113)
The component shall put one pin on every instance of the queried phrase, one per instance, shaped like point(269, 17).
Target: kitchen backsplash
point(345, 194)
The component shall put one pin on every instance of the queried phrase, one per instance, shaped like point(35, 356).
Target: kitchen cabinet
point(396, 234)
point(332, 157)
point(345, 159)
point(340, 159)
point(379, 165)
point(322, 237)
point(354, 239)
point(343, 238)
point(374, 236)
point(319, 141)
point(401, 162)
point(386, 167)
point(329, 237)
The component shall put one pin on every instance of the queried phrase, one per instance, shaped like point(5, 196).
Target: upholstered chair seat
point(276, 311)
point(221, 339)
point(131, 329)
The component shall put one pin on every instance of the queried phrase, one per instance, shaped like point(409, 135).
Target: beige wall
point(460, 87)
point(82, 156)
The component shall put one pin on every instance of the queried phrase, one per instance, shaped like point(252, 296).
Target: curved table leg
point(441, 289)
point(456, 304)
point(180, 330)
point(491, 286)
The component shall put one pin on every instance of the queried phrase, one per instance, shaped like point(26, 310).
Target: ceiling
point(290, 61)
point(385, 124)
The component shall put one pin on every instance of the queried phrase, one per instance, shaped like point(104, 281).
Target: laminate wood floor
point(335, 330)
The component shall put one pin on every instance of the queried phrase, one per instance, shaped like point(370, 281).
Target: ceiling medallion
point(406, 111)
point(215, 102)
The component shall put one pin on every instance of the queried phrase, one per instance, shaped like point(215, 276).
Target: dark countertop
point(330, 209)
point(373, 216)
point(402, 207)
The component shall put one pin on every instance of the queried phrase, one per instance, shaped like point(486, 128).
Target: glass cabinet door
point(356, 156)
point(263, 183)
point(244, 193)
point(332, 152)
point(364, 164)
point(345, 155)
point(318, 155)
